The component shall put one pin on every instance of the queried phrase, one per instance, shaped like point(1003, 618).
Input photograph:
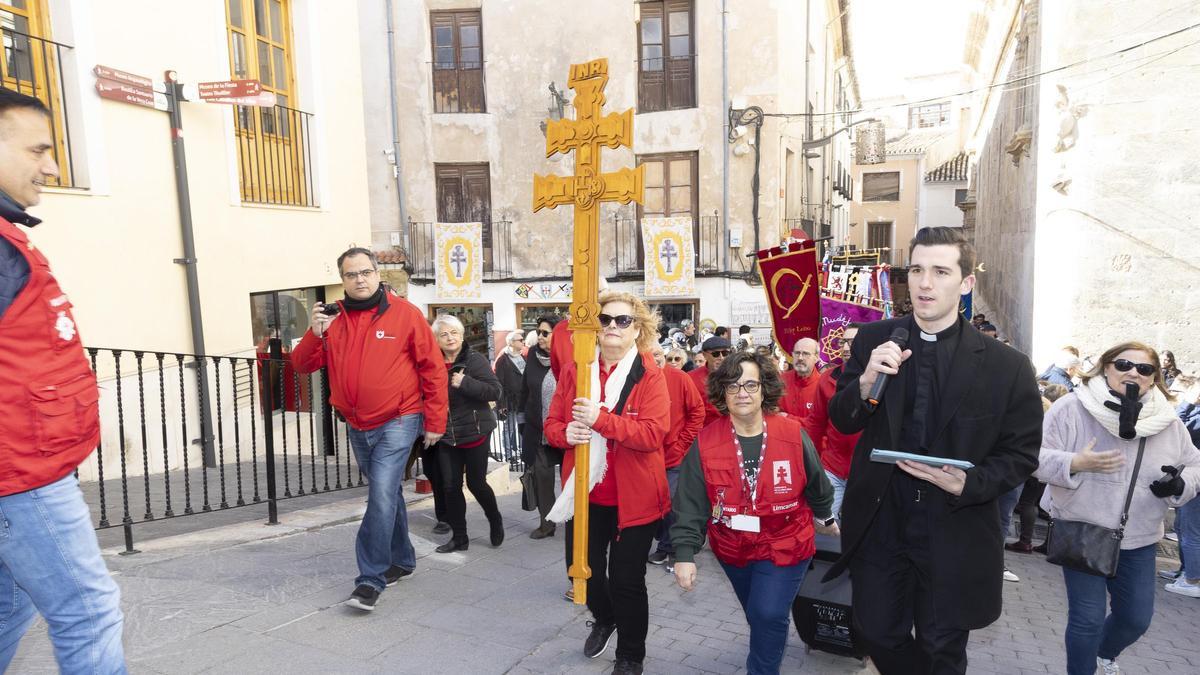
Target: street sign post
point(228, 89)
point(119, 85)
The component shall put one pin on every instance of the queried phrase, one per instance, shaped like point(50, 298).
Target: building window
point(881, 186)
point(274, 151)
point(929, 116)
point(670, 191)
point(32, 64)
point(960, 196)
point(464, 195)
point(879, 235)
point(666, 66)
point(457, 62)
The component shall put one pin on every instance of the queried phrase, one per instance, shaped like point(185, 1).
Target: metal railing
point(34, 66)
point(459, 87)
point(666, 83)
point(708, 241)
point(804, 224)
point(275, 156)
point(273, 438)
point(497, 250)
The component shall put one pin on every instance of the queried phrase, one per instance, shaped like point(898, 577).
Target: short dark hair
point(743, 329)
point(731, 370)
point(551, 319)
point(357, 250)
point(721, 331)
point(946, 236)
point(12, 100)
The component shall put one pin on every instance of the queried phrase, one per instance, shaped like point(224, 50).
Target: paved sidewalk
point(204, 603)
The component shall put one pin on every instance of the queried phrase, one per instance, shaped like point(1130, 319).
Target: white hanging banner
point(459, 266)
point(670, 258)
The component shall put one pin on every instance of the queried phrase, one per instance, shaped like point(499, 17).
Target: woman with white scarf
point(1088, 465)
point(625, 422)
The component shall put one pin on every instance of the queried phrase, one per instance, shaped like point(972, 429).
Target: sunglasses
point(622, 320)
point(718, 353)
point(544, 333)
point(1124, 366)
point(675, 359)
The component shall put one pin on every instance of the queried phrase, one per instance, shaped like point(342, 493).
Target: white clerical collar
point(928, 337)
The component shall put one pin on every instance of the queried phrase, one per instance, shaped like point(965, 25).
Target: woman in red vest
point(756, 482)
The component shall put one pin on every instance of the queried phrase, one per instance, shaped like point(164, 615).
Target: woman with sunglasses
point(539, 457)
point(677, 358)
point(1089, 464)
point(625, 422)
point(754, 483)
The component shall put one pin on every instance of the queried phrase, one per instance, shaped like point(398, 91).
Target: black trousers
point(453, 460)
point(433, 471)
point(616, 591)
point(544, 479)
point(1027, 507)
point(893, 587)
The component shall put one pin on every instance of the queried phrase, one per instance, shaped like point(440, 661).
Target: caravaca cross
point(585, 135)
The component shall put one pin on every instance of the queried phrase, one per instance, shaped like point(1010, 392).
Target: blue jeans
point(1089, 633)
point(839, 491)
point(383, 539)
point(1006, 503)
point(766, 592)
point(1187, 526)
point(50, 563)
point(664, 530)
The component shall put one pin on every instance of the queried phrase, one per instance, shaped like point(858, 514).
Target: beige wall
point(112, 245)
point(902, 213)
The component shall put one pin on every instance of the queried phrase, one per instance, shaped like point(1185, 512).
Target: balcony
point(497, 251)
point(708, 239)
point(275, 156)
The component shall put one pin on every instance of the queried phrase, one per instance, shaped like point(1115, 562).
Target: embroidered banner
point(459, 267)
point(835, 315)
point(670, 258)
point(789, 276)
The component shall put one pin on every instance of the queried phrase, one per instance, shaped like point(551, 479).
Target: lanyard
point(750, 480)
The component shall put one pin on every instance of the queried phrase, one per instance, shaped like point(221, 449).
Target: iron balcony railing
point(707, 242)
point(34, 66)
point(497, 250)
point(275, 156)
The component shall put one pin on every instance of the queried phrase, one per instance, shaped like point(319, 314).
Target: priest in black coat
point(923, 543)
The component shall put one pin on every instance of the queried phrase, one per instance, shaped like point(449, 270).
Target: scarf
point(564, 506)
point(518, 361)
point(1156, 412)
point(362, 305)
point(542, 357)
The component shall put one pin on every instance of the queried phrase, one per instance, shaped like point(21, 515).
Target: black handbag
point(528, 493)
point(1087, 547)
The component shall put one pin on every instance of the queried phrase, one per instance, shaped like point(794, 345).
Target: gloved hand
point(1170, 485)
point(1128, 408)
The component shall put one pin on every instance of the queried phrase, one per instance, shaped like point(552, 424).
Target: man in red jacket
point(715, 350)
point(687, 419)
point(801, 381)
point(388, 379)
point(836, 448)
point(49, 423)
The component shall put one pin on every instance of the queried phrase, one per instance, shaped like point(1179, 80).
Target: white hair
point(531, 339)
point(515, 335)
point(447, 320)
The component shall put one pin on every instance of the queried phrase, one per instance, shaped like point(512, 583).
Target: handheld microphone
point(900, 337)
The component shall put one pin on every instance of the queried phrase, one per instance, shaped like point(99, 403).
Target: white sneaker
point(1108, 667)
point(1181, 586)
point(1171, 536)
point(1009, 576)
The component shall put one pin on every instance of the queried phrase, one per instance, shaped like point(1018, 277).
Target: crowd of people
point(694, 440)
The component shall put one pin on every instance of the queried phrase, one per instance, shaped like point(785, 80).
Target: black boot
point(455, 544)
point(497, 530)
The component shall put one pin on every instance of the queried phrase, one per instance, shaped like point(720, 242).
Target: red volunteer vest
point(49, 412)
point(785, 535)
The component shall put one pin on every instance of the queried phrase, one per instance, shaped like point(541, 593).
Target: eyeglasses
point(448, 334)
point(675, 359)
point(544, 333)
point(351, 276)
point(718, 353)
point(751, 387)
point(1124, 366)
point(622, 320)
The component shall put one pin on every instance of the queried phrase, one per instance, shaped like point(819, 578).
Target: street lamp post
point(739, 119)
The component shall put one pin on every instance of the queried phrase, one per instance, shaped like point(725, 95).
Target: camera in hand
point(331, 309)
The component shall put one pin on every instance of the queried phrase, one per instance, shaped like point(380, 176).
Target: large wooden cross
point(585, 135)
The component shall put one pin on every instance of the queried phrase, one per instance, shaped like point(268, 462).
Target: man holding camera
point(388, 380)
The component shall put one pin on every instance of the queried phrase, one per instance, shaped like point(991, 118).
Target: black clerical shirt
point(928, 371)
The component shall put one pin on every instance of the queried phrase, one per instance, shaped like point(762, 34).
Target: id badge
point(744, 523)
